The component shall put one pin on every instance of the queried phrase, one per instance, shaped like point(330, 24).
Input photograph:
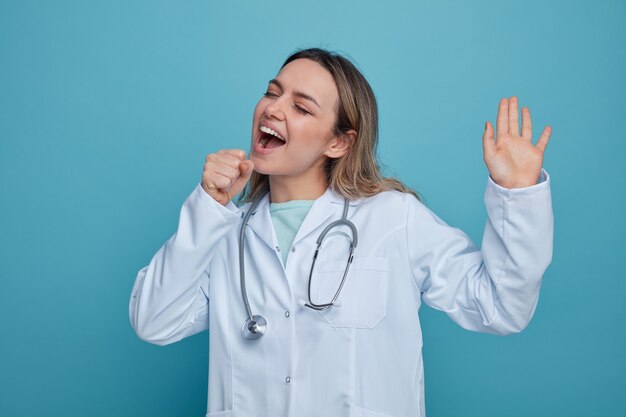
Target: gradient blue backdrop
point(107, 110)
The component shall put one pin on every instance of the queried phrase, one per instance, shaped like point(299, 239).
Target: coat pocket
point(362, 302)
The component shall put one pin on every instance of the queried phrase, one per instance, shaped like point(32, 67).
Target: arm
point(493, 290)
point(169, 300)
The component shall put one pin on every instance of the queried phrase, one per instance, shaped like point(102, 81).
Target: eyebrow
point(296, 93)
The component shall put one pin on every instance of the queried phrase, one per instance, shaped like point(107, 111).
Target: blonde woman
point(311, 288)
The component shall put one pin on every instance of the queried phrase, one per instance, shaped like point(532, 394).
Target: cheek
point(312, 133)
point(257, 110)
point(256, 116)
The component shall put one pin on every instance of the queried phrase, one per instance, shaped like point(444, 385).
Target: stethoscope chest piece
point(255, 328)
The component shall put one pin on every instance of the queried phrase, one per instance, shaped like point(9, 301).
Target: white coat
point(363, 358)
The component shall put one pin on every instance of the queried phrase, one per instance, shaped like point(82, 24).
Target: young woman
point(311, 288)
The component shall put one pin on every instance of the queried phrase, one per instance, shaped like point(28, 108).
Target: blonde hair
point(356, 174)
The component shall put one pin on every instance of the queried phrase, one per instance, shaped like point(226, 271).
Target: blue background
point(108, 109)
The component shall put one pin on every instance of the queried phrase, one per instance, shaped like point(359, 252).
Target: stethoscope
point(255, 326)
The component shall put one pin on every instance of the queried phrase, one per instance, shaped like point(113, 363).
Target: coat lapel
point(326, 209)
point(261, 222)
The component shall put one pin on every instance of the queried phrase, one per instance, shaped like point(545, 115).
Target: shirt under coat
point(364, 357)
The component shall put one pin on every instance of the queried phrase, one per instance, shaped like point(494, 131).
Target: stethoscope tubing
point(255, 326)
point(242, 271)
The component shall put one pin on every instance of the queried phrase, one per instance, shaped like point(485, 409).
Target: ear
point(341, 144)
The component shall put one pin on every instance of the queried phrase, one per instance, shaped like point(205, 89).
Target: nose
point(274, 110)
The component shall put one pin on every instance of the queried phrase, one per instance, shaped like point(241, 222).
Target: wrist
point(512, 184)
point(518, 181)
point(212, 192)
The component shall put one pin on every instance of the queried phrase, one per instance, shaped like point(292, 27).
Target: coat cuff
point(542, 184)
point(225, 211)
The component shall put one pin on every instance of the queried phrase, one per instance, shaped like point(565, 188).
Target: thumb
point(246, 169)
point(489, 146)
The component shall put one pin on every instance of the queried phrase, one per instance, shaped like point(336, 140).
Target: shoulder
point(392, 206)
point(390, 199)
point(395, 208)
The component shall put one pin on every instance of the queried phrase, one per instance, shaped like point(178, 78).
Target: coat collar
point(324, 210)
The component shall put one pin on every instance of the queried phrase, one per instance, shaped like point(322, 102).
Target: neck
point(284, 188)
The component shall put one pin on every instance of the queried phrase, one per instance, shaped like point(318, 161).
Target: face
point(293, 125)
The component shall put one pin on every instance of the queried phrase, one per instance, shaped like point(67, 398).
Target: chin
point(259, 166)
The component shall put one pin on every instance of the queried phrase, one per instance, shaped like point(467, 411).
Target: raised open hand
point(513, 161)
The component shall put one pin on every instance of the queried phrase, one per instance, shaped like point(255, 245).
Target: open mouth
point(270, 138)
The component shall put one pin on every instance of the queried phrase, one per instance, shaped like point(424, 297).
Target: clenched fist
point(226, 174)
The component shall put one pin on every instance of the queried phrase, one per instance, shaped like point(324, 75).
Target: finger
point(513, 116)
point(223, 158)
point(502, 123)
point(489, 146)
point(220, 182)
point(240, 154)
point(226, 170)
point(542, 143)
point(527, 124)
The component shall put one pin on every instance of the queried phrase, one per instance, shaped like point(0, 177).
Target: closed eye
point(301, 109)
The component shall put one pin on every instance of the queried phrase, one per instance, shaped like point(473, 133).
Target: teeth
point(272, 132)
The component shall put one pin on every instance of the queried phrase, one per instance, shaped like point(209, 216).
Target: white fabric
point(363, 358)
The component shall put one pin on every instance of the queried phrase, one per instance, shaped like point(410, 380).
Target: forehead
point(309, 77)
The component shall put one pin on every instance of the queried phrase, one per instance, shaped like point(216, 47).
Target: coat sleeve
point(494, 289)
point(170, 297)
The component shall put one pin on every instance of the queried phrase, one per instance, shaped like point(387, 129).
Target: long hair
point(356, 174)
